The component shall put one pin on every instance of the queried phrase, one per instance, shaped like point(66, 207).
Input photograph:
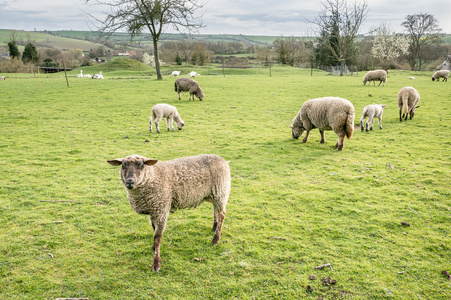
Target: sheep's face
point(297, 131)
point(132, 169)
point(200, 94)
point(412, 111)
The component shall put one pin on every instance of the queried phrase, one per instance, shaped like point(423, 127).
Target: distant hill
point(87, 40)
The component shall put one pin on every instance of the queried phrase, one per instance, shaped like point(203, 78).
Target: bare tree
point(423, 30)
point(140, 16)
point(339, 24)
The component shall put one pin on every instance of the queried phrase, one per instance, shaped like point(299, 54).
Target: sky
point(263, 17)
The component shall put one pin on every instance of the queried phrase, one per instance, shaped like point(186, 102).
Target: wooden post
point(65, 72)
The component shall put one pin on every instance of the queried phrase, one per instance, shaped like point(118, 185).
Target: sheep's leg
point(323, 139)
point(400, 112)
point(371, 123)
point(306, 136)
point(179, 96)
point(221, 218)
point(339, 145)
point(170, 122)
point(160, 225)
point(361, 124)
point(157, 123)
point(380, 122)
point(215, 219)
point(150, 124)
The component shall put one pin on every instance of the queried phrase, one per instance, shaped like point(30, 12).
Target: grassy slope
point(344, 208)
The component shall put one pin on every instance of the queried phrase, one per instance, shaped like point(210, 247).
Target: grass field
point(67, 229)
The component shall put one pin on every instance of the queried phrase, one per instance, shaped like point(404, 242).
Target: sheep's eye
point(140, 165)
point(124, 165)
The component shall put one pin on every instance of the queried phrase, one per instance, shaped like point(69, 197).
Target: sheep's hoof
point(158, 131)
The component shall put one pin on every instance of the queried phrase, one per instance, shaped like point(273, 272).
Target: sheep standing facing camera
point(156, 188)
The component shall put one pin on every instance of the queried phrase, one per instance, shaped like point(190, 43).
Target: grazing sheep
point(328, 113)
point(156, 188)
point(188, 85)
point(442, 73)
point(408, 98)
point(379, 75)
point(168, 112)
point(193, 74)
point(175, 74)
point(371, 111)
point(412, 77)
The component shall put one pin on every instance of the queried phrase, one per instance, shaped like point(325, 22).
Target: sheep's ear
point(384, 105)
point(417, 106)
point(115, 162)
point(291, 126)
point(149, 162)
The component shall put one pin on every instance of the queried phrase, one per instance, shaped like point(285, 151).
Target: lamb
point(193, 74)
point(168, 112)
point(175, 74)
point(371, 111)
point(327, 113)
point(156, 188)
point(442, 73)
point(380, 75)
point(408, 98)
point(190, 85)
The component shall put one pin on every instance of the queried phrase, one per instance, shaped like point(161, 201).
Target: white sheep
point(440, 74)
point(156, 188)
point(80, 75)
point(376, 75)
point(193, 74)
point(87, 76)
point(175, 74)
point(408, 98)
point(371, 111)
point(168, 112)
point(328, 113)
point(188, 85)
point(2, 78)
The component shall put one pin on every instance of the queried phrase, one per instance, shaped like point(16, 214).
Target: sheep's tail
point(175, 86)
point(349, 127)
point(405, 103)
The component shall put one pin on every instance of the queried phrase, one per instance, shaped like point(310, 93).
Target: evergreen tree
point(13, 49)
point(30, 54)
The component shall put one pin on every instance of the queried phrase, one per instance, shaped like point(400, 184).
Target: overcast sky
point(263, 17)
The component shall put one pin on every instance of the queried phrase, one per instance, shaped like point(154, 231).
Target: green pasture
point(378, 212)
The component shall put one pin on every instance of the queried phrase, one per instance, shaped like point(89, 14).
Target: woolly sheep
point(328, 113)
point(188, 85)
point(2, 78)
point(175, 74)
point(371, 111)
point(408, 98)
point(168, 112)
point(375, 75)
point(442, 73)
point(156, 188)
point(193, 74)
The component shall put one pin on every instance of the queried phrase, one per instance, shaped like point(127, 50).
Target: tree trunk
point(157, 59)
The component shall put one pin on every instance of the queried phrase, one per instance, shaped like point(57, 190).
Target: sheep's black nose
point(129, 183)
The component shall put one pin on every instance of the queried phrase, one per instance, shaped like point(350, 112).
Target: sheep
point(87, 76)
point(441, 73)
point(408, 98)
point(371, 111)
point(168, 112)
point(380, 75)
point(2, 78)
point(156, 188)
point(80, 75)
point(327, 113)
point(175, 74)
point(190, 85)
point(193, 74)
